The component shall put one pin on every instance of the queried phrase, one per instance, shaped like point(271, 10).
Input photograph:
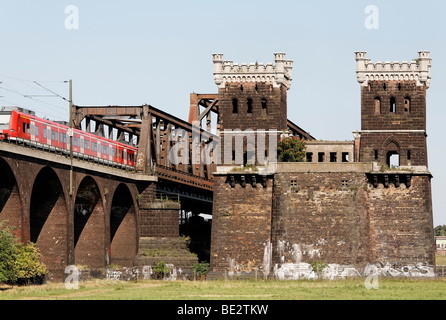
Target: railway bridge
point(82, 211)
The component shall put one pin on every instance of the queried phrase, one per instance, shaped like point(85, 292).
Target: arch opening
point(89, 225)
point(123, 228)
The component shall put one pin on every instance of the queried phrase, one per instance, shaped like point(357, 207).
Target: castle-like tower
point(393, 110)
point(251, 97)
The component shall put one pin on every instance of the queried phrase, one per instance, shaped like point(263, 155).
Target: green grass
point(440, 260)
point(352, 289)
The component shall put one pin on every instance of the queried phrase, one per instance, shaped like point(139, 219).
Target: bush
point(201, 269)
point(291, 149)
point(8, 254)
point(27, 265)
point(160, 270)
point(19, 263)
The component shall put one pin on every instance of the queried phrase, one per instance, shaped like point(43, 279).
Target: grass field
point(350, 289)
point(353, 289)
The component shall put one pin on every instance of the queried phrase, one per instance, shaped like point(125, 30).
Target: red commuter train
point(45, 133)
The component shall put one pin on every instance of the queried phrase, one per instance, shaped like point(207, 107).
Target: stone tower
point(393, 110)
point(251, 97)
point(393, 138)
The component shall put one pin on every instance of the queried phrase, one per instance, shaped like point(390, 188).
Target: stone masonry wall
point(241, 225)
point(320, 216)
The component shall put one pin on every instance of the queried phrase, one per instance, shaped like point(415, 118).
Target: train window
point(37, 131)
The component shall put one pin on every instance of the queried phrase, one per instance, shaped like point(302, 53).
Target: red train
point(44, 133)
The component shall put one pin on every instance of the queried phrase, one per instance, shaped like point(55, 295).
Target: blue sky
point(158, 52)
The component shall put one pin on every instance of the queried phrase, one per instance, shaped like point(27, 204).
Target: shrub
point(28, 268)
point(160, 269)
point(8, 254)
point(291, 149)
point(318, 267)
point(19, 264)
point(201, 269)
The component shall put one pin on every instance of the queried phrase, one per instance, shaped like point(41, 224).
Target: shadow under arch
point(10, 201)
point(123, 228)
point(89, 225)
point(48, 220)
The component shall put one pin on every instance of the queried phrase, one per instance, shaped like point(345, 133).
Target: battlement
point(418, 69)
point(278, 74)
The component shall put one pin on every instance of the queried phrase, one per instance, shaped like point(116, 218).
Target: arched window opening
point(249, 105)
point(234, 105)
point(407, 104)
point(392, 105)
point(264, 105)
point(377, 105)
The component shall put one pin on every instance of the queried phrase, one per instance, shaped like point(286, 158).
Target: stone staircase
point(174, 251)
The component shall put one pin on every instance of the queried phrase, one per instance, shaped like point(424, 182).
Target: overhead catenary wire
point(58, 110)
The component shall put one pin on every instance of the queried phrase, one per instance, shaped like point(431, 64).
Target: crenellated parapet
point(227, 71)
point(418, 69)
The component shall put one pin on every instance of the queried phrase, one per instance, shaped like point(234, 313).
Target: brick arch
point(89, 225)
point(49, 219)
point(10, 200)
point(391, 147)
point(123, 227)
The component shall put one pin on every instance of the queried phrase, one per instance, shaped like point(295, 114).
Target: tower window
point(241, 88)
point(384, 87)
point(234, 106)
point(407, 104)
point(321, 157)
point(264, 104)
point(377, 105)
point(393, 160)
point(392, 105)
point(376, 154)
point(408, 155)
point(345, 157)
point(333, 157)
point(249, 105)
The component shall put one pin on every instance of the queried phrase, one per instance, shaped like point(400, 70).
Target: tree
point(8, 254)
point(291, 149)
point(440, 230)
